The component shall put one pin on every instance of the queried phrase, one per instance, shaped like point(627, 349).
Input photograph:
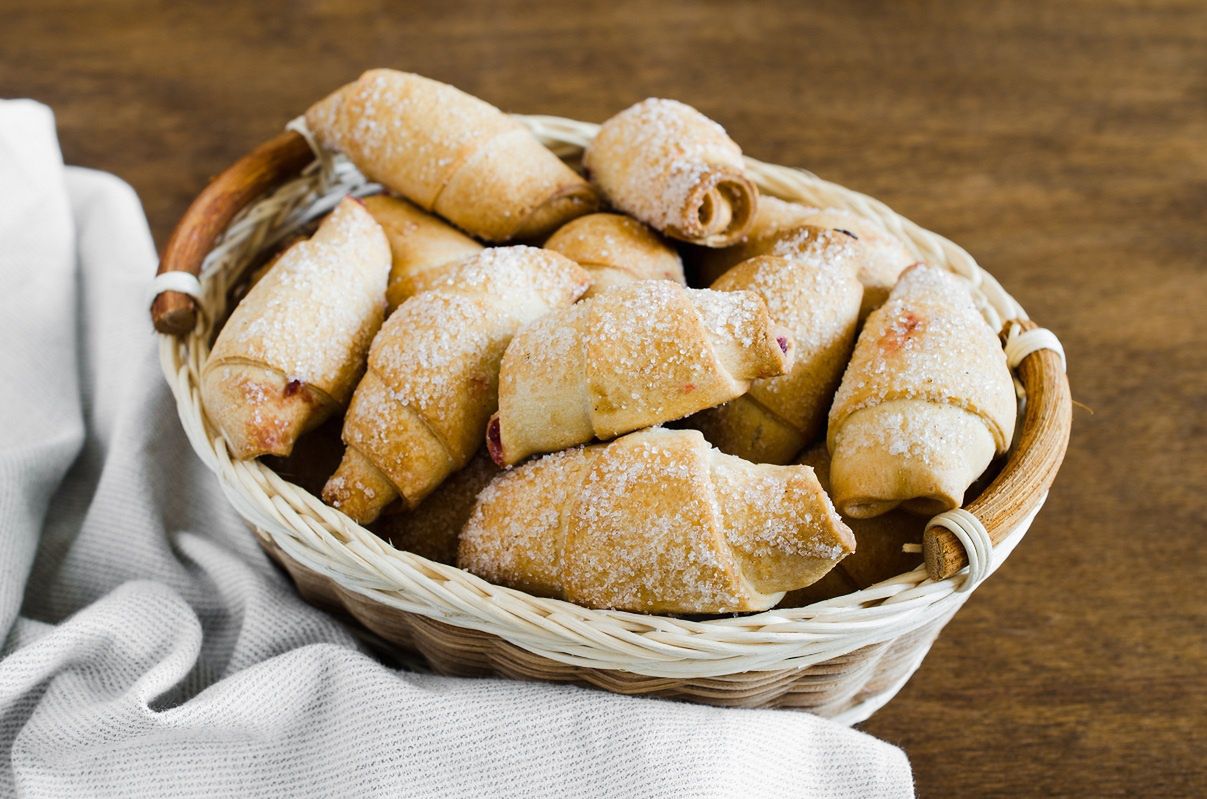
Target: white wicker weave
point(325, 541)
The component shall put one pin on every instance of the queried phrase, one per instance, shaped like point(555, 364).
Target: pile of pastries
point(571, 419)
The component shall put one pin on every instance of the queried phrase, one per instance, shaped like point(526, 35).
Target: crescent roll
point(421, 409)
point(815, 296)
point(925, 403)
point(655, 522)
point(879, 545)
point(451, 153)
point(293, 349)
point(616, 249)
point(419, 243)
point(631, 357)
point(782, 228)
point(675, 169)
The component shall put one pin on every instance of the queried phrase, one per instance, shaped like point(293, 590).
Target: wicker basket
point(842, 658)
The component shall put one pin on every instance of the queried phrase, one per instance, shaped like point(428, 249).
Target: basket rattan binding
point(841, 658)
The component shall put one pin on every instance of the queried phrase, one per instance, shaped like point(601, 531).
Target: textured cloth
point(150, 648)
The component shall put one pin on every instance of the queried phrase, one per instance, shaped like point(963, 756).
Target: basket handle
point(264, 168)
point(1030, 468)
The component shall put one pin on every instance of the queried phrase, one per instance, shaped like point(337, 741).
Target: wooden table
point(1064, 144)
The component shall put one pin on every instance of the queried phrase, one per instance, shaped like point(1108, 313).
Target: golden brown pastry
point(924, 404)
point(773, 217)
point(634, 356)
point(879, 546)
point(616, 249)
point(451, 153)
point(655, 522)
point(292, 351)
point(781, 228)
point(814, 296)
point(431, 530)
point(676, 170)
point(421, 409)
point(419, 244)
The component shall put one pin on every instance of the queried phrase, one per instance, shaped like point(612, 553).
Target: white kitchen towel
point(150, 648)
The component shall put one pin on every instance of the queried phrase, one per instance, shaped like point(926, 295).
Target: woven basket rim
point(327, 541)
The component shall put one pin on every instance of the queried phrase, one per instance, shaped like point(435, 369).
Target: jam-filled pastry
point(655, 522)
point(783, 228)
point(451, 153)
point(420, 411)
point(633, 356)
point(815, 296)
point(294, 347)
point(675, 169)
point(925, 403)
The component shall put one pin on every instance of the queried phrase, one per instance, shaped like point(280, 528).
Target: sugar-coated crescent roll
point(815, 296)
point(655, 522)
point(879, 545)
point(431, 530)
point(419, 243)
point(420, 411)
point(292, 351)
point(675, 169)
point(782, 228)
point(924, 404)
point(773, 217)
point(630, 357)
point(451, 153)
point(616, 249)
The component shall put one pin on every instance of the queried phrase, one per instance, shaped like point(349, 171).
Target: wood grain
point(1061, 143)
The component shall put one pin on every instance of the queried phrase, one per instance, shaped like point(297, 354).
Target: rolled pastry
point(815, 297)
point(421, 409)
point(674, 169)
point(616, 249)
point(924, 404)
point(451, 153)
point(419, 243)
point(655, 522)
point(631, 357)
point(879, 546)
point(292, 351)
point(782, 228)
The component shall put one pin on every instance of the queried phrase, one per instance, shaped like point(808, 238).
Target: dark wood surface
point(1064, 144)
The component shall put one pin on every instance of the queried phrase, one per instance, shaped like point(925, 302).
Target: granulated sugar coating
point(911, 434)
point(809, 292)
point(659, 158)
point(617, 249)
point(313, 315)
point(637, 524)
point(516, 532)
point(929, 342)
point(732, 316)
point(407, 131)
point(451, 153)
point(421, 411)
point(814, 295)
point(440, 339)
point(633, 356)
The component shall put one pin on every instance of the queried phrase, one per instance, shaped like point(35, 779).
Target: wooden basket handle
point(264, 168)
point(1030, 468)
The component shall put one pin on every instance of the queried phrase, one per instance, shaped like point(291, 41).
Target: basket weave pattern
point(842, 658)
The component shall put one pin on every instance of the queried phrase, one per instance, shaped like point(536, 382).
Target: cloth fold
point(151, 649)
